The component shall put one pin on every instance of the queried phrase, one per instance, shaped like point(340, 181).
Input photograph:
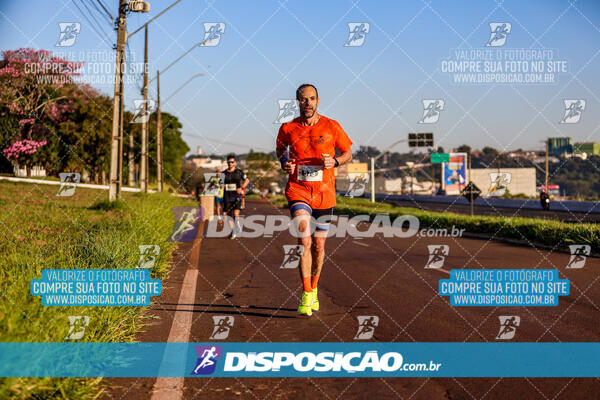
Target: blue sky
point(375, 90)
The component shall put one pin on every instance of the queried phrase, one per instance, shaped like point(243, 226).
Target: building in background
point(558, 146)
point(353, 170)
point(208, 162)
point(587, 148)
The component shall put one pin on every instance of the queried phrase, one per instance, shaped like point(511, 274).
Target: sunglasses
point(230, 162)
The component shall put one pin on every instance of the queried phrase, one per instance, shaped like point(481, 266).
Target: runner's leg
point(301, 213)
point(323, 221)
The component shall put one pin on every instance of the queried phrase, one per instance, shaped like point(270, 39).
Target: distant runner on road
point(234, 180)
point(306, 148)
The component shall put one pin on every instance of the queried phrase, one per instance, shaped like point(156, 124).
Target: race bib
point(230, 186)
point(310, 173)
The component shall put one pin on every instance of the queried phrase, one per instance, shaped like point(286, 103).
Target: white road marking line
point(171, 388)
point(439, 269)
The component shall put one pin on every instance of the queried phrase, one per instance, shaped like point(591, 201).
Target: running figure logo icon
point(358, 33)
point(358, 184)
point(499, 32)
point(68, 183)
point(288, 110)
point(508, 326)
point(291, 256)
point(212, 33)
point(77, 325)
point(366, 326)
point(139, 116)
point(223, 324)
point(499, 183)
point(573, 111)
point(68, 33)
point(207, 359)
point(437, 255)
point(186, 223)
point(431, 111)
point(148, 255)
point(579, 253)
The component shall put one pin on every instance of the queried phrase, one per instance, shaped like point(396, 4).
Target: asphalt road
point(376, 276)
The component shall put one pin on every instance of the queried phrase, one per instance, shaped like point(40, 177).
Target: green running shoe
point(315, 303)
point(305, 307)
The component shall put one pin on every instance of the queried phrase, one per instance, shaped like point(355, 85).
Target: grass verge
point(556, 234)
point(43, 231)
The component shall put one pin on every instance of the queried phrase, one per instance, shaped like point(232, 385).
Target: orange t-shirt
point(310, 182)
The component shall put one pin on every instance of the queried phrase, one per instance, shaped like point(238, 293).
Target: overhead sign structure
point(420, 139)
point(438, 158)
point(454, 173)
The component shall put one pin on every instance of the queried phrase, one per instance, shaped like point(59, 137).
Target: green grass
point(43, 231)
point(539, 231)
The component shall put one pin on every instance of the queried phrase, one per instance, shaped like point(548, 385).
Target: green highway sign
point(440, 157)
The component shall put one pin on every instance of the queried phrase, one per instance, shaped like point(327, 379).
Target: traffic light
point(420, 139)
point(139, 6)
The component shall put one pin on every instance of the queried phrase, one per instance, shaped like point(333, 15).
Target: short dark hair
point(229, 157)
point(305, 85)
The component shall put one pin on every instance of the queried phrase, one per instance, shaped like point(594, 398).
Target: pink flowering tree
point(34, 96)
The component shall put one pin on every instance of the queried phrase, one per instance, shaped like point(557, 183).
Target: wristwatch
point(337, 163)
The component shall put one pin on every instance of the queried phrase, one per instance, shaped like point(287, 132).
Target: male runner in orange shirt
point(311, 141)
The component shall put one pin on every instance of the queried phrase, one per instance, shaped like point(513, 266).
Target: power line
point(227, 143)
point(98, 24)
point(112, 19)
point(102, 36)
point(99, 11)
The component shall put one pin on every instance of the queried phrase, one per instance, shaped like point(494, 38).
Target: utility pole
point(116, 145)
point(159, 172)
point(412, 179)
point(373, 159)
point(121, 125)
point(471, 191)
point(144, 166)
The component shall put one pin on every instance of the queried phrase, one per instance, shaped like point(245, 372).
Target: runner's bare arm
point(330, 162)
point(281, 147)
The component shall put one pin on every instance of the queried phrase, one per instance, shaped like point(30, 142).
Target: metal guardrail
point(590, 207)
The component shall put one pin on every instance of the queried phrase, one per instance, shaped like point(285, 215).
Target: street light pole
point(159, 141)
point(139, 6)
point(144, 162)
point(114, 188)
point(159, 171)
point(373, 159)
point(182, 86)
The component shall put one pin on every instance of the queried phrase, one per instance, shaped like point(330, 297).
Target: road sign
point(471, 191)
point(437, 158)
point(420, 139)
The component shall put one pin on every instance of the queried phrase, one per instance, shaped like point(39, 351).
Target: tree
point(263, 170)
point(30, 83)
point(463, 148)
point(174, 147)
point(83, 138)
